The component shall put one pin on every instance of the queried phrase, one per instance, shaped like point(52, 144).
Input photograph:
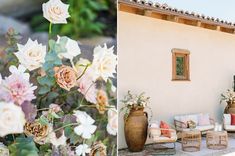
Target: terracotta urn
point(230, 108)
point(136, 127)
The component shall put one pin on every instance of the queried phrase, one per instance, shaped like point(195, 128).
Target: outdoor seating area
point(212, 139)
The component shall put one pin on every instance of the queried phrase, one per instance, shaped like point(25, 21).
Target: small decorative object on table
point(136, 121)
point(217, 140)
point(229, 98)
point(218, 127)
point(191, 140)
point(191, 124)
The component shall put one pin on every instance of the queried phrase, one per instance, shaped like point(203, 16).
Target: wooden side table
point(217, 140)
point(191, 140)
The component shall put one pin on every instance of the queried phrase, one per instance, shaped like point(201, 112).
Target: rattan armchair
point(160, 139)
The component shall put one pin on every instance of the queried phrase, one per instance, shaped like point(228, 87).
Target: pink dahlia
point(17, 89)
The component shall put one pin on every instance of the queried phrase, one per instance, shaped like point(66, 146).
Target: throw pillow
point(203, 120)
point(165, 132)
point(232, 119)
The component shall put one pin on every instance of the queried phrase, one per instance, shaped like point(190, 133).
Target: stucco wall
point(145, 62)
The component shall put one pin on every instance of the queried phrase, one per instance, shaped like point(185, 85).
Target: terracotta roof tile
point(154, 4)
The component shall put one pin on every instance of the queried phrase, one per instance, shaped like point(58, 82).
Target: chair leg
point(163, 151)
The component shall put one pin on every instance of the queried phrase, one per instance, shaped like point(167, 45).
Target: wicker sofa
point(227, 123)
point(180, 122)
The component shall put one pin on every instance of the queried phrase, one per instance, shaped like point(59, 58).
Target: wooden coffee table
point(191, 140)
point(217, 140)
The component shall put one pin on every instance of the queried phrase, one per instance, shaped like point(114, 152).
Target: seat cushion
point(204, 128)
point(227, 119)
point(162, 138)
point(229, 127)
point(203, 120)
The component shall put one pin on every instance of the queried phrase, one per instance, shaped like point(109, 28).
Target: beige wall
point(144, 50)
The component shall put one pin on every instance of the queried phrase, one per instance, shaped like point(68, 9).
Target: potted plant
point(229, 98)
point(135, 120)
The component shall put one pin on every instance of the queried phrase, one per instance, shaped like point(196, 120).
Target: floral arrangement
point(228, 96)
point(134, 101)
point(52, 101)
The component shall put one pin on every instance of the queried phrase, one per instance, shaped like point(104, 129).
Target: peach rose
point(66, 77)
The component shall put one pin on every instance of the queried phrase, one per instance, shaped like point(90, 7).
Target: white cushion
point(227, 119)
point(229, 127)
point(163, 138)
point(204, 128)
point(154, 132)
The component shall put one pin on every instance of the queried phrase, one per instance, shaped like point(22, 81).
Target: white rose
point(112, 121)
point(4, 151)
point(55, 11)
point(104, 62)
point(12, 119)
point(72, 48)
point(31, 55)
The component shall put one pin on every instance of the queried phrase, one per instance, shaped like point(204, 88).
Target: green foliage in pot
point(133, 101)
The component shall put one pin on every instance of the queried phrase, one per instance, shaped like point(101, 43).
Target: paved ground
point(149, 150)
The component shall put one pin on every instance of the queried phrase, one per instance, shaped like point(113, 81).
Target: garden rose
point(31, 55)
point(72, 48)
point(38, 131)
point(104, 62)
point(112, 121)
point(16, 87)
point(12, 119)
point(66, 77)
point(98, 148)
point(86, 127)
point(55, 11)
point(88, 88)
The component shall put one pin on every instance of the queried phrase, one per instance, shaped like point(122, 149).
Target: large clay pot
point(136, 125)
point(230, 108)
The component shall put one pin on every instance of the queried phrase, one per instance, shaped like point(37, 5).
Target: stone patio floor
point(204, 151)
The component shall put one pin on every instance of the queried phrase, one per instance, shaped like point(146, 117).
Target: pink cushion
point(203, 120)
point(166, 132)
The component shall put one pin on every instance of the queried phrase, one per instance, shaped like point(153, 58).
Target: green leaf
point(23, 147)
point(44, 90)
point(54, 115)
point(43, 120)
point(46, 80)
point(52, 95)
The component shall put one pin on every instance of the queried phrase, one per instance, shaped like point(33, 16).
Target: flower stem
point(50, 27)
point(83, 71)
point(71, 61)
point(43, 109)
point(90, 106)
point(71, 124)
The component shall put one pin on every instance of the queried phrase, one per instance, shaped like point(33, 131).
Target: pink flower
point(88, 88)
point(17, 89)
